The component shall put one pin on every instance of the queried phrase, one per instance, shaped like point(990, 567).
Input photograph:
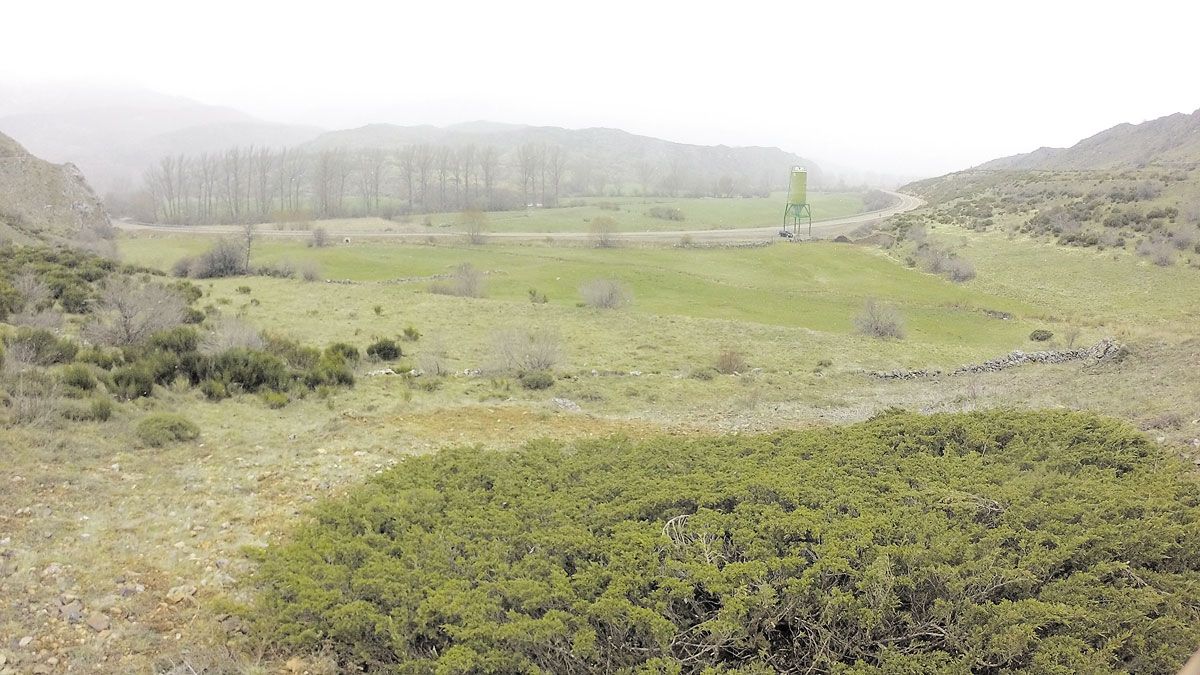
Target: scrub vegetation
point(953, 543)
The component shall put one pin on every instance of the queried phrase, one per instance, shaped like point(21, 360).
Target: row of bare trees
point(258, 184)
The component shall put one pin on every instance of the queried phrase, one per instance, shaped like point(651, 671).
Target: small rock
point(180, 593)
point(567, 404)
point(24, 642)
point(99, 622)
point(72, 612)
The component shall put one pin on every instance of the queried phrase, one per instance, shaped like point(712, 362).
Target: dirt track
point(820, 230)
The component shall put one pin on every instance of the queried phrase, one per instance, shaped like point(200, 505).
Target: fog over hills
point(114, 134)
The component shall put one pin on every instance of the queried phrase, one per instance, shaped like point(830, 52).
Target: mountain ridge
point(1168, 140)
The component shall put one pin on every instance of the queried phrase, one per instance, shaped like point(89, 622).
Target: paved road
point(825, 229)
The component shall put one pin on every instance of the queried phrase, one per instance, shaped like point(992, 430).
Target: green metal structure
point(797, 204)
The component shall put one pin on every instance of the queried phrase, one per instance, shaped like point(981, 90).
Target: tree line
point(258, 184)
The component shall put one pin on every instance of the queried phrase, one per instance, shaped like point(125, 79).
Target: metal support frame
point(797, 212)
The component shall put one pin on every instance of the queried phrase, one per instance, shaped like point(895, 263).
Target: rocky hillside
point(44, 201)
point(1172, 141)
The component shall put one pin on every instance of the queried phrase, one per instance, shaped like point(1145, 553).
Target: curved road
point(820, 229)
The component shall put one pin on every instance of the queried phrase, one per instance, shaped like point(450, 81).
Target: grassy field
point(631, 214)
point(88, 512)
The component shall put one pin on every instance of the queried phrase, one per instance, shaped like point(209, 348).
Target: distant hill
point(1173, 140)
point(44, 201)
point(625, 157)
point(112, 135)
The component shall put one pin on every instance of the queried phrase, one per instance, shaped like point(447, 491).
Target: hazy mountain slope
point(112, 135)
point(1171, 141)
point(622, 155)
point(43, 201)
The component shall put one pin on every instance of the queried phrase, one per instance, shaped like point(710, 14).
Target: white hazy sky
point(898, 87)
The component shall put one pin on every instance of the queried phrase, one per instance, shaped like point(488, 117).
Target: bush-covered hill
point(1048, 542)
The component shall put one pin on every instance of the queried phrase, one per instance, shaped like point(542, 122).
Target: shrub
point(526, 350)
point(960, 270)
point(78, 376)
point(226, 258)
point(159, 429)
point(704, 374)
point(249, 369)
point(178, 340)
point(384, 349)
point(603, 231)
point(410, 334)
point(606, 294)
point(879, 321)
point(536, 379)
point(1041, 335)
point(41, 347)
point(214, 390)
point(331, 370)
point(665, 213)
point(730, 361)
point(93, 409)
point(474, 224)
point(627, 551)
point(310, 271)
point(319, 238)
point(537, 298)
point(466, 282)
point(100, 357)
point(133, 381)
point(294, 354)
point(274, 399)
point(341, 350)
point(244, 290)
point(132, 312)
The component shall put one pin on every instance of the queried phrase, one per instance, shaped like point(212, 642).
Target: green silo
point(797, 202)
point(798, 187)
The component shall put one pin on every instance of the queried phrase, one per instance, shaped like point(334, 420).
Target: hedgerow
point(1047, 542)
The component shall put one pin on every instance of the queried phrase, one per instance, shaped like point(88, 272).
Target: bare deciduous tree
point(474, 224)
point(603, 230)
point(130, 312)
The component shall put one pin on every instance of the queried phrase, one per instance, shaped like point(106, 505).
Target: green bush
point(341, 350)
point(161, 429)
point(100, 357)
point(214, 390)
point(249, 369)
point(1034, 542)
point(411, 334)
point(1040, 335)
point(178, 340)
point(274, 399)
point(294, 354)
point(43, 346)
point(94, 409)
point(536, 379)
point(78, 377)
point(384, 349)
point(134, 381)
point(330, 370)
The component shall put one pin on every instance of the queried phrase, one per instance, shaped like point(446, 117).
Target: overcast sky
point(897, 87)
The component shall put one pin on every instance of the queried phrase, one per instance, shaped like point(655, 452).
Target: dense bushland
point(1047, 542)
point(133, 334)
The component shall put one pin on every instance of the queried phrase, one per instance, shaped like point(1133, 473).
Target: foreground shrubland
point(1055, 542)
